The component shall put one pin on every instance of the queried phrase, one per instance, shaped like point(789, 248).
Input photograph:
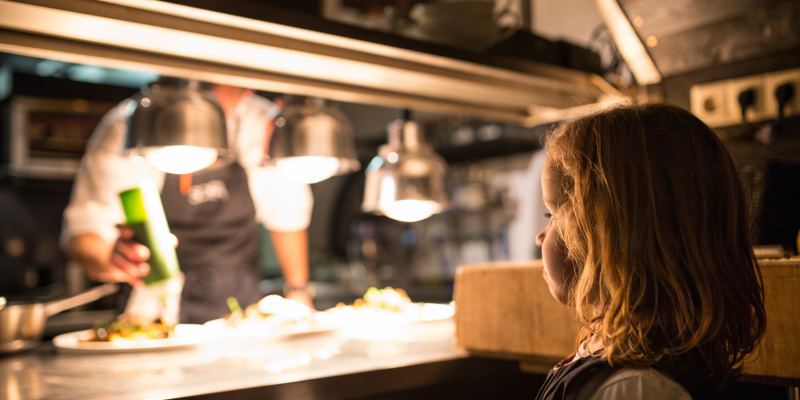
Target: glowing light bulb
point(308, 169)
point(411, 210)
point(181, 159)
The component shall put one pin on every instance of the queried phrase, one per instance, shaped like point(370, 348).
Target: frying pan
point(22, 325)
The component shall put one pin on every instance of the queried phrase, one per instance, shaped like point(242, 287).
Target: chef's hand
point(301, 296)
point(121, 261)
point(94, 255)
point(128, 261)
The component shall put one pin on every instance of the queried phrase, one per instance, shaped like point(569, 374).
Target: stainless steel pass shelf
point(180, 40)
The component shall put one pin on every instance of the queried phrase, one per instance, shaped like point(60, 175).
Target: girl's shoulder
point(637, 383)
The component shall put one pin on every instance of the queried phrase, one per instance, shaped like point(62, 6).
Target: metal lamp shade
point(405, 183)
point(420, 176)
point(313, 142)
point(178, 129)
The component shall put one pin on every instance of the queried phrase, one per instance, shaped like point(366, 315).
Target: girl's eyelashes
point(548, 215)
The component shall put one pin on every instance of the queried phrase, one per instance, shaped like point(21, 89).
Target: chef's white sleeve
point(281, 204)
point(94, 205)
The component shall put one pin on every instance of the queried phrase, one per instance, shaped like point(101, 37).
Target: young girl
point(649, 241)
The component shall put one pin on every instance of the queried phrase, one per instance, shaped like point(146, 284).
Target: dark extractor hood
point(217, 43)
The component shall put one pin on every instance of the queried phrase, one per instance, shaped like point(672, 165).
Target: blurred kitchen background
point(492, 180)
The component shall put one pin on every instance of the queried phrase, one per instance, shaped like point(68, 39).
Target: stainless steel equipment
point(22, 325)
point(177, 125)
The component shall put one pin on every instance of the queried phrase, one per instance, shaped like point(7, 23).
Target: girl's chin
point(556, 293)
point(554, 289)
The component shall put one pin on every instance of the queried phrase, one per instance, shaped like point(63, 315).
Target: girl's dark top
point(567, 379)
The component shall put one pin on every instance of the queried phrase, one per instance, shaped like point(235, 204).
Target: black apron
point(214, 220)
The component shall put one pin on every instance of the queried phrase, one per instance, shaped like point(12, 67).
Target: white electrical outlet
point(717, 103)
point(755, 112)
point(775, 79)
point(709, 103)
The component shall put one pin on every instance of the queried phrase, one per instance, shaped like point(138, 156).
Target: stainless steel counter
point(326, 365)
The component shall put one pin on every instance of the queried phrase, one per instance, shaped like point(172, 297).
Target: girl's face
point(559, 273)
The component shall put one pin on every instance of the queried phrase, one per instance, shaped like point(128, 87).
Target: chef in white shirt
point(214, 212)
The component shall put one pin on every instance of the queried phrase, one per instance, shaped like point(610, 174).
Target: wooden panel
point(506, 308)
point(779, 352)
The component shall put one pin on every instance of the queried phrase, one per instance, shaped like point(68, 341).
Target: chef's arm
point(291, 250)
point(121, 261)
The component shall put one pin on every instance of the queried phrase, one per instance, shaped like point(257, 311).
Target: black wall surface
point(766, 152)
point(32, 263)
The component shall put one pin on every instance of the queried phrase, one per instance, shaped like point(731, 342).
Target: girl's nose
point(540, 238)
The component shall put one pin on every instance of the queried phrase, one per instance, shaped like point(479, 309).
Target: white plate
point(258, 330)
point(185, 335)
point(414, 324)
point(436, 312)
point(413, 313)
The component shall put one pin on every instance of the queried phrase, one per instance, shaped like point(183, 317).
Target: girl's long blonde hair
point(657, 222)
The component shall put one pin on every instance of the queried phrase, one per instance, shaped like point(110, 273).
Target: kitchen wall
point(492, 180)
point(32, 263)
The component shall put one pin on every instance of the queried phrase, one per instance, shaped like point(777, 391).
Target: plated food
point(385, 306)
point(271, 310)
point(273, 316)
point(182, 335)
point(386, 299)
point(129, 328)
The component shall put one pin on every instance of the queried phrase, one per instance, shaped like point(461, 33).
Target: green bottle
point(145, 214)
